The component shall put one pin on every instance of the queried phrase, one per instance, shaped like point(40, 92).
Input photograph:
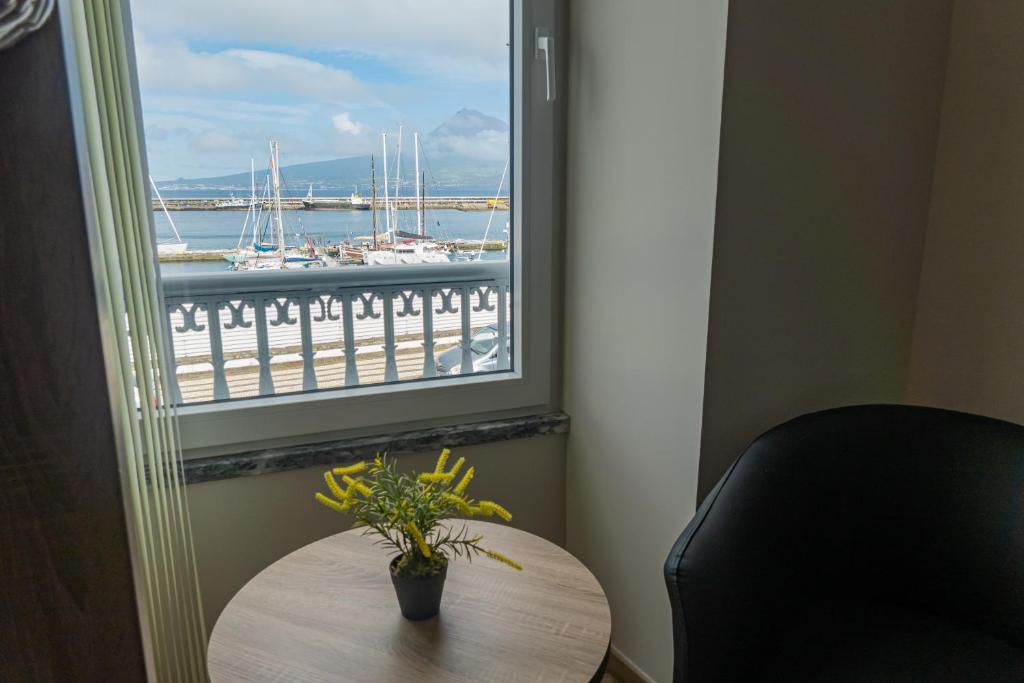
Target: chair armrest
point(735, 583)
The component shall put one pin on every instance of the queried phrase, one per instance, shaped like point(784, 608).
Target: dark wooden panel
point(67, 609)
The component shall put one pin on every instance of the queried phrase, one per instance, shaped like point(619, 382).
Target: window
point(352, 231)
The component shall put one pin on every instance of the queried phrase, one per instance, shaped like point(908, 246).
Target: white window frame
point(533, 383)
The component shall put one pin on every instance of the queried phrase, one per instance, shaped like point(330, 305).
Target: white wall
point(968, 349)
point(644, 108)
point(243, 525)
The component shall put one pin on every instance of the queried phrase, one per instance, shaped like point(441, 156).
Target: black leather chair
point(869, 543)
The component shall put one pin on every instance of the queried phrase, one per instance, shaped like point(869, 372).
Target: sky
point(219, 78)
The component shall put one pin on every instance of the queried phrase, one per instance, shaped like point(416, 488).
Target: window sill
point(340, 451)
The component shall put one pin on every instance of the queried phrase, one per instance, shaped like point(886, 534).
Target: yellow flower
point(491, 508)
point(441, 460)
point(378, 463)
point(355, 468)
point(418, 537)
point(466, 478)
point(431, 477)
point(504, 560)
point(460, 503)
point(455, 468)
point(358, 485)
point(333, 504)
point(333, 486)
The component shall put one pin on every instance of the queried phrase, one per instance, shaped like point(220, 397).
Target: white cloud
point(344, 124)
point(462, 39)
point(199, 111)
point(173, 66)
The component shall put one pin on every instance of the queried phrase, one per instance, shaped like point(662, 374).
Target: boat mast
point(416, 179)
point(167, 213)
point(423, 206)
point(250, 212)
point(398, 180)
point(494, 207)
point(264, 197)
point(387, 203)
point(373, 200)
point(274, 164)
point(256, 213)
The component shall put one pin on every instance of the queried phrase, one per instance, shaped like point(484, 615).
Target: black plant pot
point(419, 597)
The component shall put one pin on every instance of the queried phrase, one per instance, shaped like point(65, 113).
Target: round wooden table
point(328, 612)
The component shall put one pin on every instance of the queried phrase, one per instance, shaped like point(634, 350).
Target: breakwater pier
point(330, 203)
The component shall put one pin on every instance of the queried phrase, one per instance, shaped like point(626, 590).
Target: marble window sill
point(338, 452)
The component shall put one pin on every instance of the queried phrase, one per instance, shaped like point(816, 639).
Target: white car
point(483, 349)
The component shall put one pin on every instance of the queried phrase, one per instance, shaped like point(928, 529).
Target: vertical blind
point(98, 39)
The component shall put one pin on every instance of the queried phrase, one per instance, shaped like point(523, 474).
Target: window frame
point(533, 383)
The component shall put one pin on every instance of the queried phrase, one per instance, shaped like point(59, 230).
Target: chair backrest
point(914, 506)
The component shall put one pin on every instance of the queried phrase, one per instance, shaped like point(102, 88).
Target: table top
point(328, 612)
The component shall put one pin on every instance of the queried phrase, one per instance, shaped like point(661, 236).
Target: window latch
point(545, 49)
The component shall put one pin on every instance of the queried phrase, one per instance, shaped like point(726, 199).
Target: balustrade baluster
point(467, 332)
point(390, 364)
point(220, 380)
point(429, 362)
point(263, 347)
point(348, 320)
point(306, 330)
point(172, 379)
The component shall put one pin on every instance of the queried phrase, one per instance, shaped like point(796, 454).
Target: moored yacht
point(262, 254)
point(406, 252)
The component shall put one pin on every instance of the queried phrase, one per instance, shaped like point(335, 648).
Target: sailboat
point(402, 247)
point(261, 254)
point(168, 248)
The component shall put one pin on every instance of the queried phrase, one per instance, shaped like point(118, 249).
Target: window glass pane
point(484, 341)
point(331, 189)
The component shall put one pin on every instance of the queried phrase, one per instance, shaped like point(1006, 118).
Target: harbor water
point(223, 230)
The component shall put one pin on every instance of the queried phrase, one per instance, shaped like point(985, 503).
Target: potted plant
point(409, 513)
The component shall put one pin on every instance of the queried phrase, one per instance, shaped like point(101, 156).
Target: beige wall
point(243, 525)
point(829, 123)
point(644, 106)
point(968, 351)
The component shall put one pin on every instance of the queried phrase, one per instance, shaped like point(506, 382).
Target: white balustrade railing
point(269, 332)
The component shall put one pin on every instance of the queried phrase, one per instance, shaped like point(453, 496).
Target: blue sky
point(220, 78)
